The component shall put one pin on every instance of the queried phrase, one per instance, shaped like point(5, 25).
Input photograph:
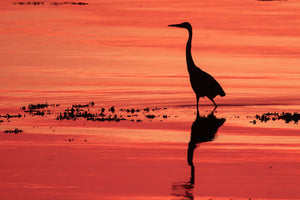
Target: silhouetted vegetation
point(30, 3)
point(15, 131)
point(8, 116)
point(130, 110)
point(83, 105)
point(37, 3)
point(82, 111)
point(39, 109)
point(150, 116)
point(89, 112)
point(72, 3)
point(286, 116)
point(112, 109)
point(77, 112)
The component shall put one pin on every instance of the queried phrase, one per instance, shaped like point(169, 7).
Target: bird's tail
point(222, 93)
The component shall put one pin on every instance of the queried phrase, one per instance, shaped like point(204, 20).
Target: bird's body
point(203, 84)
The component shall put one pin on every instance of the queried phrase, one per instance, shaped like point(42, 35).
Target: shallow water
point(66, 159)
point(122, 53)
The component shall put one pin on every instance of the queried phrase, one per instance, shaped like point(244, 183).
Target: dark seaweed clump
point(146, 112)
point(286, 116)
point(83, 111)
point(39, 109)
point(77, 112)
point(72, 3)
point(150, 116)
point(8, 116)
point(15, 131)
point(37, 3)
point(89, 112)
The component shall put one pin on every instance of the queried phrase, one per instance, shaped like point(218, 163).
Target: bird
point(203, 84)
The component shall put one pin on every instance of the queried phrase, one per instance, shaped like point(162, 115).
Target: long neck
point(189, 59)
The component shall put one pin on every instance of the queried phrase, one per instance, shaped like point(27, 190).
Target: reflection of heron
point(203, 84)
point(203, 129)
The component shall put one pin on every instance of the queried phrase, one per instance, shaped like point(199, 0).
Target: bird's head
point(182, 25)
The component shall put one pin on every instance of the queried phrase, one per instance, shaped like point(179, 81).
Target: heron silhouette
point(203, 84)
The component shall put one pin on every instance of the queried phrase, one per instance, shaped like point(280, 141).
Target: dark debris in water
point(8, 116)
point(89, 112)
point(71, 3)
point(83, 105)
point(110, 114)
point(73, 140)
point(285, 116)
point(112, 109)
point(130, 110)
point(82, 111)
point(150, 116)
point(15, 131)
point(37, 3)
point(39, 109)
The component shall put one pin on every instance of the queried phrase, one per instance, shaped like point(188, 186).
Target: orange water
point(122, 53)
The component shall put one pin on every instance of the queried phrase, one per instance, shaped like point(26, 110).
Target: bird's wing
point(213, 85)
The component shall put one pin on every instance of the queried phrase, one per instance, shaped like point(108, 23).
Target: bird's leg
point(214, 104)
point(190, 158)
point(197, 99)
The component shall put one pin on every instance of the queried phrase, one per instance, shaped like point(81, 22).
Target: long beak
point(175, 25)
